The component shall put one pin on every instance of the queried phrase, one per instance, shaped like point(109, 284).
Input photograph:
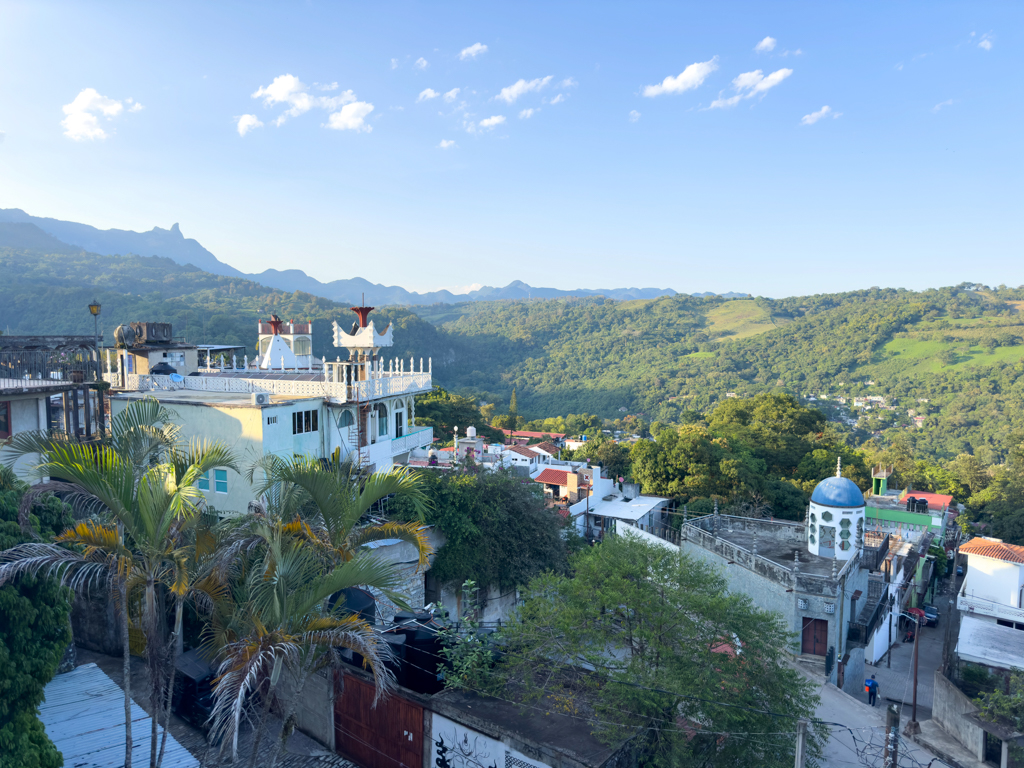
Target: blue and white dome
point(837, 492)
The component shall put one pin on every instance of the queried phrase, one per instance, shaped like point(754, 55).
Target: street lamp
point(94, 309)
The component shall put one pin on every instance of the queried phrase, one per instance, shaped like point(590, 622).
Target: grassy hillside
point(957, 348)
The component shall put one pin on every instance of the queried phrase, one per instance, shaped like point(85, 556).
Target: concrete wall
point(314, 714)
point(27, 413)
point(853, 674)
point(96, 623)
point(949, 705)
point(996, 580)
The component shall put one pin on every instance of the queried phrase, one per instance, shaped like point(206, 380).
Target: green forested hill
point(958, 348)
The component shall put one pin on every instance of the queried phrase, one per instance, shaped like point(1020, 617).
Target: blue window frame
point(204, 481)
point(220, 480)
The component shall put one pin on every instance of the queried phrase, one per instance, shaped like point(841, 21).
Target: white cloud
point(446, 143)
point(691, 77)
point(421, 63)
point(326, 86)
point(750, 84)
point(83, 114)
point(518, 88)
point(472, 51)
point(558, 99)
point(814, 117)
point(451, 95)
point(247, 122)
point(345, 112)
point(899, 67)
point(350, 117)
point(568, 83)
point(394, 63)
point(633, 116)
point(526, 114)
point(797, 52)
point(136, 107)
point(492, 122)
point(941, 104)
point(427, 93)
point(766, 45)
point(985, 42)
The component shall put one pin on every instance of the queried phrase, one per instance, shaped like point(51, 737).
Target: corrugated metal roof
point(84, 717)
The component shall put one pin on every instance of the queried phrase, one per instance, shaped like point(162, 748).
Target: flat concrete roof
point(202, 397)
point(780, 551)
point(988, 643)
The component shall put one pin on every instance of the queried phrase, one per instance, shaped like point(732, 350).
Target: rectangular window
point(271, 419)
point(130, 360)
point(220, 480)
point(305, 421)
point(5, 420)
point(204, 481)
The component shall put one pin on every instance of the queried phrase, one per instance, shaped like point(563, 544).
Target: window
point(271, 419)
point(382, 419)
point(302, 346)
point(204, 481)
point(305, 421)
point(347, 420)
point(5, 419)
point(220, 480)
point(130, 360)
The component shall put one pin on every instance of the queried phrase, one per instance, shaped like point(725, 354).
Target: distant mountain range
point(21, 230)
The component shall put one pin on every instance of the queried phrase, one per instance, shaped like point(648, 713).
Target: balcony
point(305, 385)
point(978, 606)
point(419, 437)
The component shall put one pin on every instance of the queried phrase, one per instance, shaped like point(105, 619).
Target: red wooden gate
point(814, 639)
point(389, 736)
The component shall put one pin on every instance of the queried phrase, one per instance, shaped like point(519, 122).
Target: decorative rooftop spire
point(839, 466)
point(275, 325)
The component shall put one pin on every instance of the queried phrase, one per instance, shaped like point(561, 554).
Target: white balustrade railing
point(420, 437)
point(982, 607)
point(367, 390)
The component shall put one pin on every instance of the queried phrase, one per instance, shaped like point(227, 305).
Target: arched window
point(347, 420)
point(302, 346)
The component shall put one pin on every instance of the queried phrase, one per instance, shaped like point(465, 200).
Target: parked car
point(931, 616)
point(959, 570)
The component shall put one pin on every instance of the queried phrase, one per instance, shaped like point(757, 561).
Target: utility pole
point(888, 654)
point(890, 755)
point(801, 742)
point(913, 726)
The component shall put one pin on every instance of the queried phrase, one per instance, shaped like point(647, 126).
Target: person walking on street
point(872, 688)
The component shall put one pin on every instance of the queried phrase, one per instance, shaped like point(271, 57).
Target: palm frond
point(413, 533)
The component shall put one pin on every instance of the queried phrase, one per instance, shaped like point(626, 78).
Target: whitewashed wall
point(456, 746)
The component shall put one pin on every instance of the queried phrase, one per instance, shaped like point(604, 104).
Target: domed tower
point(835, 524)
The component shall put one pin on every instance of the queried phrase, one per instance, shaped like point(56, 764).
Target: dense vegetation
point(34, 633)
point(643, 644)
point(497, 530)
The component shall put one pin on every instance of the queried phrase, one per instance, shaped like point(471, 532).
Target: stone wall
point(949, 705)
point(95, 622)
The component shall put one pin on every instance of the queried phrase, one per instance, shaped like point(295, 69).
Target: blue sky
point(665, 148)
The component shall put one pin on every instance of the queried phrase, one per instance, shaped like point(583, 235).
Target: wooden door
point(814, 638)
point(388, 736)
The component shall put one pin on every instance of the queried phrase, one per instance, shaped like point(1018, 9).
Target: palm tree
point(148, 511)
point(332, 496)
point(278, 617)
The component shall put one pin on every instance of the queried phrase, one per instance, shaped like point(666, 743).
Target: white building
point(361, 407)
point(993, 589)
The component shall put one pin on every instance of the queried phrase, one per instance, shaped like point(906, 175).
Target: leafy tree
point(444, 412)
point(634, 642)
point(513, 410)
point(34, 632)
point(1007, 709)
point(496, 527)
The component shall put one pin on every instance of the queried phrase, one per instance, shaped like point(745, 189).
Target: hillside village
point(322, 471)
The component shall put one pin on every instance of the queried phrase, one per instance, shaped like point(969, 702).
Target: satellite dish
point(177, 378)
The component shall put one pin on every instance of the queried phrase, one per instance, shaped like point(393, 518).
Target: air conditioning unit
point(261, 398)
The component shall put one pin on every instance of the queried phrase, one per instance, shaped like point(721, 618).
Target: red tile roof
point(553, 477)
point(549, 448)
point(522, 451)
point(533, 434)
point(936, 501)
point(1011, 553)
